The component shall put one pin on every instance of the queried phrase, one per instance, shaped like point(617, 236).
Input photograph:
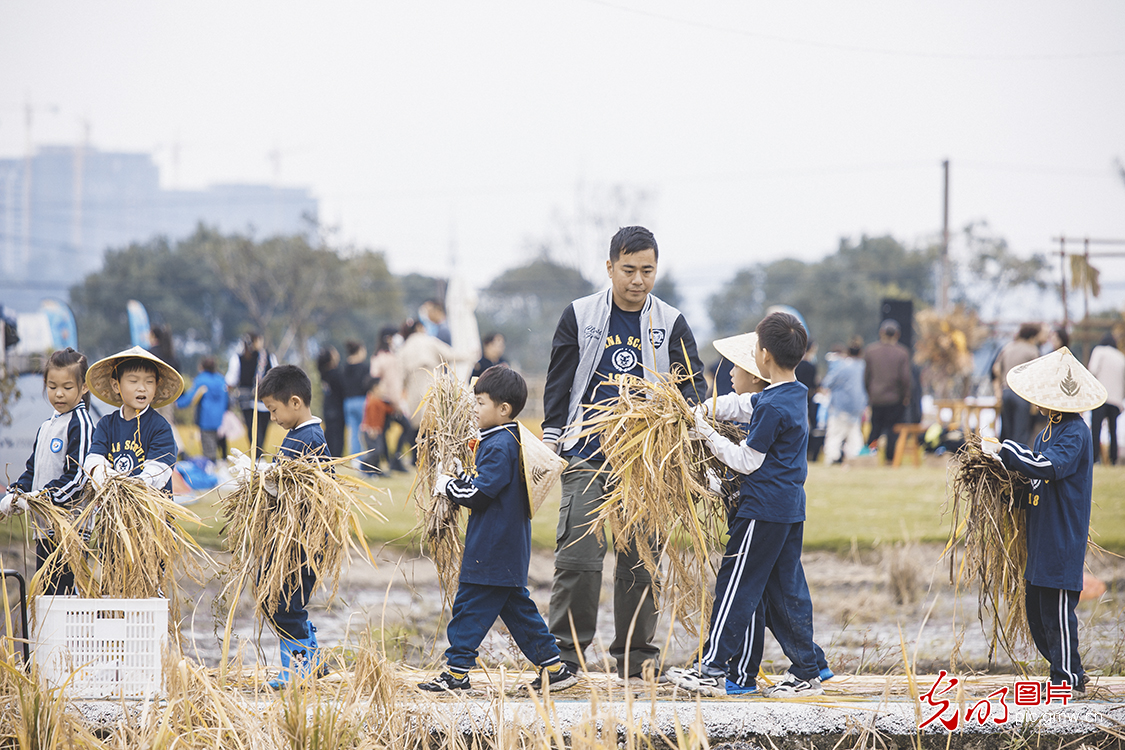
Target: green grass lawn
point(864, 504)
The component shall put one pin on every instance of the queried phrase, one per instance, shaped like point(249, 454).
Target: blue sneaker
point(826, 674)
point(733, 688)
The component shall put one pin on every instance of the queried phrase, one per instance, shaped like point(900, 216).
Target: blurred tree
point(839, 296)
point(993, 270)
point(175, 283)
point(665, 288)
point(524, 304)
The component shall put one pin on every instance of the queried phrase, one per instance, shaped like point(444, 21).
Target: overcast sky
point(762, 130)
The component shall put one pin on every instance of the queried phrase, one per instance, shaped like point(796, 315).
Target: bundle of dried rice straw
point(984, 501)
point(314, 520)
point(136, 546)
point(658, 491)
point(448, 431)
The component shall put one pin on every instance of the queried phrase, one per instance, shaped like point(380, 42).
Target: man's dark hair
point(783, 336)
point(490, 338)
point(353, 347)
point(632, 240)
point(503, 385)
point(207, 364)
point(285, 381)
point(135, 364)
point(1028, 331)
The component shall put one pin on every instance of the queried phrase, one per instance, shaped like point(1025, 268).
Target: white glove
point(441, 483)
point(454, 466)
point(991, 448)
point(240, 465)
point(702, 429)
point(12, 505)
point(101, 474)
point(714, 483)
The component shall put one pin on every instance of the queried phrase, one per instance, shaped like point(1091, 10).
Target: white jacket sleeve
point(738, 456)
point(731, 407)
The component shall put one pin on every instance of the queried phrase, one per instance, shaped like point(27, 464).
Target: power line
point(854, 48)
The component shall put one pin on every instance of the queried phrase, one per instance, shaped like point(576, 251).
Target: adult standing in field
point(887, 379)
point(357, 379)
point(1107, 364)
point(420, 355)
point(847, 401)
point(332, 407)
point(386, 371)
point(1015, 412)
point(244, 371)
point(600, 337)
point(492, 353)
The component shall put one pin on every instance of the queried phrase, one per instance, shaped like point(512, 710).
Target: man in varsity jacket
point(624, 330)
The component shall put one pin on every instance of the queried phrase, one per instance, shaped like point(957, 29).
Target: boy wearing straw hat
point(1060, 467)
point(493, 579)
point(763, 554)
point(134, 440)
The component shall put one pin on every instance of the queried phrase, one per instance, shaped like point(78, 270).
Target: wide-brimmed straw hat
point(1057, 381)
point(541, 468)
point(169, 384)
point(739, 351)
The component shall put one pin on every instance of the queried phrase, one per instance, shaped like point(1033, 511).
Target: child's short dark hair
point(62, 359)
point(503, 385)
point(631, 240)
point(135, 364)
point(208, 364)
point(783, 336)
point(283, 382)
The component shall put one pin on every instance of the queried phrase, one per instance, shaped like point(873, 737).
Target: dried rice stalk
point(987, 520)
point(71, 548)
point(658, 491)
point(314, 520)
point(136, 545)
point(448, 430)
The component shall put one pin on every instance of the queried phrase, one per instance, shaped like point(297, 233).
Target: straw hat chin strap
point(1052, 419)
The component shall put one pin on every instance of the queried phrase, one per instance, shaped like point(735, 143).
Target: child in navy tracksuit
point(286, 391)
point(1060, 467)
point(55, 465)
point(763, 554)
point(212, 406)
point(493, 580)
point(133, 441)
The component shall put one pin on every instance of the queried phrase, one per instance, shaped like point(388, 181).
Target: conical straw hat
point(169, 384)
point(739, 351)
point(1057, 381)
point(541, 468)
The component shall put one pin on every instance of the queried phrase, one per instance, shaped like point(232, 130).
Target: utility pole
point(945, 243)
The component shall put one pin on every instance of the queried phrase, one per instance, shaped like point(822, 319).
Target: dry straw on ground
point(657, 492)
point(448, 431)
point(314, 520)
point(987, 525)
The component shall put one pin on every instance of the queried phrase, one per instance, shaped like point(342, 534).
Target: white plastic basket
point(106, 648)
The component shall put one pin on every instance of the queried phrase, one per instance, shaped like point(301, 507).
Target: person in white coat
point(1107, 363)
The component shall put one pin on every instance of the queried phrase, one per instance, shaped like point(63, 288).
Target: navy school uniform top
point(498, 535)
point(620, 356)
point(306, 439)
point(1061, 470)
point(779, 428)
point(129, 444)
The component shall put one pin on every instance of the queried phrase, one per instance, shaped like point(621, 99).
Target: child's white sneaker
point(700, 679)
point(794, 687)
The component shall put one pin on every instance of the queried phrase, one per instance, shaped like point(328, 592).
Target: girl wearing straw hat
point(1060, 467)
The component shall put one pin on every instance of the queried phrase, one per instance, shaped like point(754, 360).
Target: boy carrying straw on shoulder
point(763, 554)
point(1060, 466)
point(493, 579)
